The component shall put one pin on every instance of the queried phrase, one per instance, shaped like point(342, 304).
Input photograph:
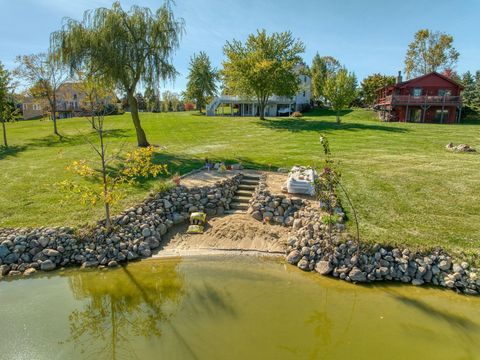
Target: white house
point(277, 105)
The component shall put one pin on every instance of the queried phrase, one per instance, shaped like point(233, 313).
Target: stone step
point(248, 182)
point(244, 193)
point(246, 187)
point(241, 199)
point(238, 206)
point(251, 177)
point(231, 212)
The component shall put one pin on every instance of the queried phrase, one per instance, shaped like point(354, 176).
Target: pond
point(223, 307)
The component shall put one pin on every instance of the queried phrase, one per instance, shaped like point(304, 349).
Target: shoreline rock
point(136, 232)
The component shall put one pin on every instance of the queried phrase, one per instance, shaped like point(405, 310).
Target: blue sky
point(366, 36)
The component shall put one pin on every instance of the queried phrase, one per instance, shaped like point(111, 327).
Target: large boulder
point(323, 267)
point(294, 257)
point(357, 275)
point(257, 215)
point(47, 265)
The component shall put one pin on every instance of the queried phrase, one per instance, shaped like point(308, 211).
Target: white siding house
point(277, 105)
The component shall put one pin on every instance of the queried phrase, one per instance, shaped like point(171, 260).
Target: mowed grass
point(406, 187)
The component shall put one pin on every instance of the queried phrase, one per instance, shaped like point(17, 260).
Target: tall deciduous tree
point(371, 84)
point(45, 74)
point(322, 68)
point(8, 111)
point(430, 51)
point(202, 80)
point(340, 90)
point(263, 66)
point(126, 47)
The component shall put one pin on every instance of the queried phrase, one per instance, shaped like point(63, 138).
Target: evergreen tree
point(202, 80)
point(468, 93)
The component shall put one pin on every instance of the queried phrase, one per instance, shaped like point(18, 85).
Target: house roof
point(408, 82)
point(446, 78)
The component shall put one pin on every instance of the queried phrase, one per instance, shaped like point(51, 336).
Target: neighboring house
point(32, 109)
point(71, 102)
point(277, 105)
point(431, 98)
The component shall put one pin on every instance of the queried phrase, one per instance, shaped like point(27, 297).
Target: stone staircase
point(245, 190)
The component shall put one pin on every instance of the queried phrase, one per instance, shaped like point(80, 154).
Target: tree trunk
point(108, 223)
point(141, 137)
point(337, 114)
point(262, 110)
point(4, 134)
point(54, 115)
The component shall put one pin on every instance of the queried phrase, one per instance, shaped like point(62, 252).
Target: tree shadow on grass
point(10, 151)
point(78, 139)
point(326, 112)
point(297, 125)
point(183, 165)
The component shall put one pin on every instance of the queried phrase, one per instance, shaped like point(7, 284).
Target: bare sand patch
point(236, 232)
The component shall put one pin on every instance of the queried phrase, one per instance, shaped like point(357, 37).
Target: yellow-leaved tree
point(109, 171)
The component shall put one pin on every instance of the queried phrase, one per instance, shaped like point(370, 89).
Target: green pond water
point(229, 308)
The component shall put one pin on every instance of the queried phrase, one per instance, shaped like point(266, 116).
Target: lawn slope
point(407, 188)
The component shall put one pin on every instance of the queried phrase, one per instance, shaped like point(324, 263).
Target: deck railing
point(420, 100)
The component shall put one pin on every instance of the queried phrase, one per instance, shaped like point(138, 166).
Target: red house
point(431, 98)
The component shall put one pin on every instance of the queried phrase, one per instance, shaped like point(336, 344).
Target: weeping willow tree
point(126, 47)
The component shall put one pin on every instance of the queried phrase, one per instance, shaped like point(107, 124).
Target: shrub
point(305, 108)
point(297, 114)
point(189, 106)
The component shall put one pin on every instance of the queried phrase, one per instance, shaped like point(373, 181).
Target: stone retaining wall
point(274, 208)
point(311, 249)
point(137, 231)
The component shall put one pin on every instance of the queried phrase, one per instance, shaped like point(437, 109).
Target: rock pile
point(137, 231)
point(276, 209)
point(460, 148)
point(313, 248)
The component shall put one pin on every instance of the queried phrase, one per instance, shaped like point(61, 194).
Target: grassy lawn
point(407, 188)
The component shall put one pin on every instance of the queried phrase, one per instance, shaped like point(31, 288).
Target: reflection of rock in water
point(122, 304)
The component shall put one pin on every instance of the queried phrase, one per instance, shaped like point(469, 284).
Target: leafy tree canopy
point(322, 68)
point(371, 84)
point(430, 51)
point(262, 66)
point(340, 90)
point(126, 47)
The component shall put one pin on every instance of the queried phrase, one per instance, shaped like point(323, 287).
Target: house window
point(416, 92)
point(25, 106)
point(304, 94)
point(441, 115)
point(444, 92)
point(36, 107)
point(305, 79)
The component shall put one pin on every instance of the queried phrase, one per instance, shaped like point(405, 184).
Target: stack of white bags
point(300, 180)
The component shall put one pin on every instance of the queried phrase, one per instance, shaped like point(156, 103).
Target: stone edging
point(137, 231)
point(311, 249)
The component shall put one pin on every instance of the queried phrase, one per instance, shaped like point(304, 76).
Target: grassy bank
point(407, 188)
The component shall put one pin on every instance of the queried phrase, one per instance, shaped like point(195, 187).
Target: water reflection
point(121, 305)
